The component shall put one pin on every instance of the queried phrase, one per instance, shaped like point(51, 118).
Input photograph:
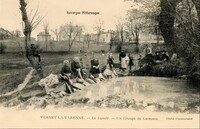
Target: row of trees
point(5, 34)
point(142, 17)
point(173, 18)
point(172, 11)
point(32, 20)
point(179, 22)
point(186, 34)
point(134, 23)
point(70, 32)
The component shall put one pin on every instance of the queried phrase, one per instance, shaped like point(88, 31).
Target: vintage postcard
point(100, 64)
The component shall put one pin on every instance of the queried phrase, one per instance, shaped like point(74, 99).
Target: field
point(14, 59)
point(62, 46)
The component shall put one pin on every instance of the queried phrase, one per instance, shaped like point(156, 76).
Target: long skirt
point(123, 63)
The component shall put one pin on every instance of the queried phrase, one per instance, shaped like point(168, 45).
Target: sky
point(55, 12)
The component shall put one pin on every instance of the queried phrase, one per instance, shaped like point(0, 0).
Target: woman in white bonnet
point(76, 69)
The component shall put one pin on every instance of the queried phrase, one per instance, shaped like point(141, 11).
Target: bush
point(166, 69)
point(2, 48)
point(118, 48)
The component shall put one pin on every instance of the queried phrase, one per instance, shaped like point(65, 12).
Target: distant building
point(104, 37)
point(42, 37)
point(93, 37)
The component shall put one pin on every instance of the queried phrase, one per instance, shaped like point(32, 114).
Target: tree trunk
point(46, 40)
point(88, 47)
point(70, 38)
point(122, 36)
point(166, 22)
point(69, 46)
point(197, 5)
point(57, 39)
point(137, 40)
point(83, 46)
point(27, 33)
point(98, 39)
point(88, 42)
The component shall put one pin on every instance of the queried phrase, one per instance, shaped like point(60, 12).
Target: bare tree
point(46, 32)
point(142, 17)
point(30, 23)
point(70, 32)
point(16, 34)
point(120, 32)
point(135, 25)
point(99, 28)
point(57, 33)
point(88, 39)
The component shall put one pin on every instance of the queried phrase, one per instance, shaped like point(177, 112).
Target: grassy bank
point(10, 81)
point(176, 69)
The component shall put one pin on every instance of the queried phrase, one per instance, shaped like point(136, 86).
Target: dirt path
point(22, 85)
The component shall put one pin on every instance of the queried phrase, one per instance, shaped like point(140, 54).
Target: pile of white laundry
point(49, 82)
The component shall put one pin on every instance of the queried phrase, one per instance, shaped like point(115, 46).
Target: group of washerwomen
point(151, 58)
point(75, 69)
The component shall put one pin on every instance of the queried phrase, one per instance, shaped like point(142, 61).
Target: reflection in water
point(103, 91)
point(143, 88)
point(88, 94)
point(116, 90)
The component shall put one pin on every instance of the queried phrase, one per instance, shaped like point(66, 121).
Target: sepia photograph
point(100, 64)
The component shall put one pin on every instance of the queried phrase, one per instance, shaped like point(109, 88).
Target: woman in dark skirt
point(130, 61)
point(65, 77)
point(95, 67)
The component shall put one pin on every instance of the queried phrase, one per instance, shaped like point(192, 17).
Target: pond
point(165, 91)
